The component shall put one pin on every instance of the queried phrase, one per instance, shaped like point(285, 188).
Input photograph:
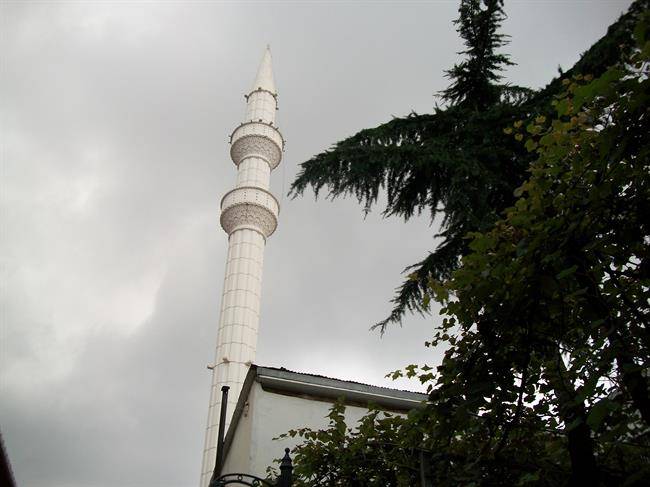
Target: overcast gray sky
point(115, 118)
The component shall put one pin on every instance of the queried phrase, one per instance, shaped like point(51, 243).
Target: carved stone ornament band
point(256, 145)
point(249, 215)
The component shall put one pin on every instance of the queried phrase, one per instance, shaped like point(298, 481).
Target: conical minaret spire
point(249, 215)
point(264, 79)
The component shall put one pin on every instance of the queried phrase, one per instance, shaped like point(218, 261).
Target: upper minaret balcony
point(258, 137)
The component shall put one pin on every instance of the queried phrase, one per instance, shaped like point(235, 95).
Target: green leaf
point(530, 145)
point(528, 478)
point(601, 86)
point(562, 107)
point(573, 424)
point(599, 412)
point(567, 272)
point(640, 33)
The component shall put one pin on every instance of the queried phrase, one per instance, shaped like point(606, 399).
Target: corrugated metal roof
point(321, 381)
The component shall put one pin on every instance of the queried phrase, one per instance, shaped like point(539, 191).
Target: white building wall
point(238, 459)
point(269, 415)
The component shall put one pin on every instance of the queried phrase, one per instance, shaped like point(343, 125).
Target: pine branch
point(457, 162)
point(385, 157)
point(440, 263)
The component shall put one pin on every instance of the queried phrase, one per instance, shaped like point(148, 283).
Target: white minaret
point(249, 214)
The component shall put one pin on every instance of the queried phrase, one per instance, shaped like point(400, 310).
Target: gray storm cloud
point(114, 125)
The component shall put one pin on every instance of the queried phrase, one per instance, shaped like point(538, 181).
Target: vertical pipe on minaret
point(249, 215)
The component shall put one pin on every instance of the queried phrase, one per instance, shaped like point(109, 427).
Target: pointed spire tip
point(264, 78)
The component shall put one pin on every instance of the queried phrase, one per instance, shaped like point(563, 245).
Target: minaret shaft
point(254, 171)
point(249, 216)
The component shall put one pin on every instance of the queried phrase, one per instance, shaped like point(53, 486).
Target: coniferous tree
point(474, 80)
point(456, 161)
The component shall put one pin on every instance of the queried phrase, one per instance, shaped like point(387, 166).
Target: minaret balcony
point(258, 139)
point(249, 207)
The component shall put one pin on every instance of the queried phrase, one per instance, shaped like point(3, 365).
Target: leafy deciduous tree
point(545, 379)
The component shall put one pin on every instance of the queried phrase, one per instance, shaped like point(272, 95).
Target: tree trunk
point(584, 470)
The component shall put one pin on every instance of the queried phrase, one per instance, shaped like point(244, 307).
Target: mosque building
point(250, 404)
